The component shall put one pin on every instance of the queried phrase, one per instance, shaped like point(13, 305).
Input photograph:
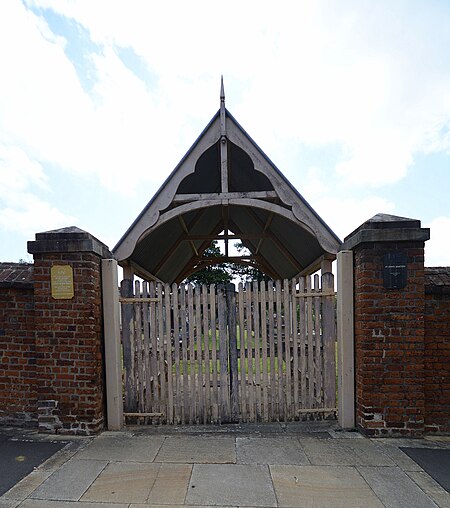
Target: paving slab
point(392, 450)
point(8, 503)
point(174, 506)
point(431, 488)
point(438, 439)
point(37, 503)
point(409, 442)
point(269, 450)
point(395, 488)
point(198, 450)
point(71, 481)
point(171, 484)
point(122, 447)
point(29, 484)
point(231, 485)
point(322, 487)
point(345, 434)
point(123, 482)
point(344, 452)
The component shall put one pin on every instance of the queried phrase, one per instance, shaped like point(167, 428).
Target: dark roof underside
point(280, 247)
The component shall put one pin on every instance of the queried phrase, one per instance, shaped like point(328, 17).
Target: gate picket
point(242, 368)
point(249, 351)
point(223, 356)
point(206, 354)
point(207, 407)
point(271, 334)
point(295, 345)
point(265, 380)
point(213, 324)
point(317, 346)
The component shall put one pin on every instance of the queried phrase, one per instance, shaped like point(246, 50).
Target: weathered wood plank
point(199, 355)
point(206, 335)
point(317, 345)
point(127, 344)
point(295, 349)
point(224, 401)
point(185, 198)
point(169, 339)
point(310, 334)
point(302, 337)
point(264, 345)
point(257, 342)
point(184, 353)
point(281, 388)
point(138, 366)
point(154, 351)
point(233, 353)
point(214, 358)
point(191, 335)
point(161, 363)
point(329, 342)
point(273, 413)
point(287, 346)
point(250, 352)
point(146, 331)
point(241, 337)
point(176, 347)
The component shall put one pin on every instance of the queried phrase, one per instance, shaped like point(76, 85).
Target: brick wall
point(389, 343)
point(18, 397)
point(437, 349)
point(51, 347)
point(69, 346)
point(389, 306)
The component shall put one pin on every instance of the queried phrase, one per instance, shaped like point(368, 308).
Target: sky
point(100, 99)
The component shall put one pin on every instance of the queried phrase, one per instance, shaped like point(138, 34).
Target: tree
point(247, 273)
point(214, 274)
point(226, 272)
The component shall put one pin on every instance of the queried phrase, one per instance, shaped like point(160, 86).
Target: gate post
point(345, 337)
point(113, 360)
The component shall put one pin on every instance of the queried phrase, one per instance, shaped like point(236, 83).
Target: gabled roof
point(225, 183)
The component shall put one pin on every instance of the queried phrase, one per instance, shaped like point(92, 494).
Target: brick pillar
point(69, 345)
point(389, 299)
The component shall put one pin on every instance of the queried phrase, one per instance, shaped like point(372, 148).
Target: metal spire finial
point(222, 91)
point(223, 127)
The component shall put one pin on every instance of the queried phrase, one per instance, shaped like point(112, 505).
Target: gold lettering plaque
point(62, 282)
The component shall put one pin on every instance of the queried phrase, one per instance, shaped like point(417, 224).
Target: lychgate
point(262, 352)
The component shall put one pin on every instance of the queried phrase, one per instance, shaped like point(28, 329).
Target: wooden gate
point(209, 354)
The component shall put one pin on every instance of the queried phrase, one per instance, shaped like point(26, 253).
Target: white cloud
point(345, 215)
point(437, 249)
point(20, 210)
point(17, 171)
point(370, 79)
point(32, 215)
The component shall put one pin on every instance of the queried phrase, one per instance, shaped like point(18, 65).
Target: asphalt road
point(435, 462)
point(18, 457)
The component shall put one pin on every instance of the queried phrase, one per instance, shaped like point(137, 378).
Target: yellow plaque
point(62, 282)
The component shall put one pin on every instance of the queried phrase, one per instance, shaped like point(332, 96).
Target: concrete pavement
point(275, 465)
